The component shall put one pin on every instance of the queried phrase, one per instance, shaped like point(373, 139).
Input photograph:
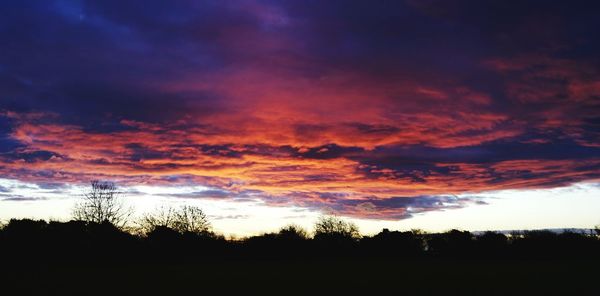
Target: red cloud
point(244, 160)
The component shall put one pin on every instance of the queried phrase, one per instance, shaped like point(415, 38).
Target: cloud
point(318, 177)
point(216, 194)
point(350, 106)
point(16, 197)
point(229, 217)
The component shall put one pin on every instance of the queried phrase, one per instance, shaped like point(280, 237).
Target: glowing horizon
point(566, 207)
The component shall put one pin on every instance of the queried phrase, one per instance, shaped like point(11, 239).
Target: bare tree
point(161, 217)
point(191, 219)
point(183, 219)
point(335, 226)
point(102, 203)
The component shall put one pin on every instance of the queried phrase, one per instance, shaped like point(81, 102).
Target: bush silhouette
point(182, 219)
point(394, 244)
point(451, 243)
point(491, 244)
point(290, 242)
point(292, 233)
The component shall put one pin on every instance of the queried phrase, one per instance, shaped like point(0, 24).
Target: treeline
point(79, 241)
point(102, 231)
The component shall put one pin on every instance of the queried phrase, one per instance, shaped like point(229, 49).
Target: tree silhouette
point(185, 219)
point(162, 217)
point(394, 243)
point(102, 203)
point(453, 243)
point(293, 232)
point(333, 226)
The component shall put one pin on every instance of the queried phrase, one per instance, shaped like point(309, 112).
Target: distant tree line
point(99, 233)
point(40, 240)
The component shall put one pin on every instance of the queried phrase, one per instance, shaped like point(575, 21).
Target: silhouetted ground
point(373, 277)
point(98, 259)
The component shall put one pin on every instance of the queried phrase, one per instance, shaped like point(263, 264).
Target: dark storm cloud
point(393, 208)
point(7, 144)
point(109, 57)
point(29, 156)
point(518, 26)
point(217, 194)
point(329, 151)
point(405, 207)
point(489, 152)
point(63, 56)
point(418, 162)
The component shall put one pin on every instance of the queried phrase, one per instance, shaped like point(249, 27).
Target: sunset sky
point(400, 114)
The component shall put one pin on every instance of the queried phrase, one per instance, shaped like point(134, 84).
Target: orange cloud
point(288, 171)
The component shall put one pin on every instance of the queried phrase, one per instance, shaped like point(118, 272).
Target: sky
point(479, 115)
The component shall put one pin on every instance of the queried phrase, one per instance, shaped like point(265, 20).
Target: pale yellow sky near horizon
point(575, 206)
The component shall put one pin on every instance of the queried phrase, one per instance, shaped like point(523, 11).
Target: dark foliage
point(392, 244)
point(78, 241)
point(50, 258)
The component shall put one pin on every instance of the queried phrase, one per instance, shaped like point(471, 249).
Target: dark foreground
point(370, 277)
point(54, 258)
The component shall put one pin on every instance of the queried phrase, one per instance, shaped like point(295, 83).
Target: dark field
point(381, 277)
point(55, 258)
